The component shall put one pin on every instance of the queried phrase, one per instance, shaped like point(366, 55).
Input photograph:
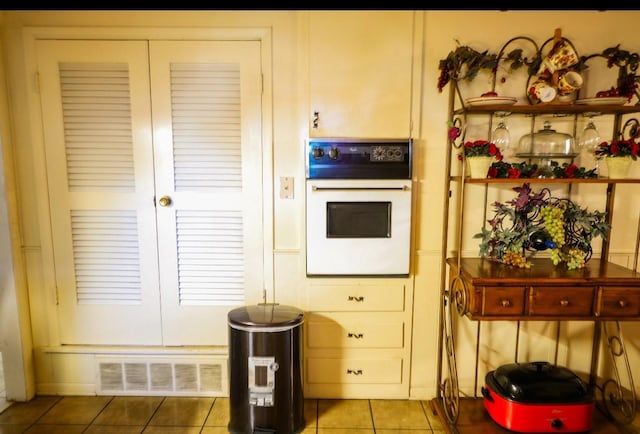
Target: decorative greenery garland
point(537, 221)
point(464, 63)
point(503, 169)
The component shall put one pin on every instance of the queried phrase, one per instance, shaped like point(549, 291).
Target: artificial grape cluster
point(554, 223)
point(443, 78)
point(574, 258)
point(516, 259)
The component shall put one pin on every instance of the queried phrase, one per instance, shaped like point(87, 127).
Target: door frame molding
point(39, 264)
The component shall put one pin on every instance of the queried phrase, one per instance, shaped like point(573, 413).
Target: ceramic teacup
point(561, 56)
point(542, 91)
point(569, 82)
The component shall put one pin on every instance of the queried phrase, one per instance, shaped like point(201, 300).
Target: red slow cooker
point(538, 397)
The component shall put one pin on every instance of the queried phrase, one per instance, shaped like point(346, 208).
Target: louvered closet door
point(128, 270)
point(206, 99)
point(95, 100)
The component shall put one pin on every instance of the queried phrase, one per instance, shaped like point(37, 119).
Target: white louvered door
point(129, 271)
point(206, 115)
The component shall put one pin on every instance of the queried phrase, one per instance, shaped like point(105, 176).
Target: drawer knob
point(564, 302)
point(355, 335)
point(354, 298)
point(622, 303)
point(354, 371)
point(505, 303)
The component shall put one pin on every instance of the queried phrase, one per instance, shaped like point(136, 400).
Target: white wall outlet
point(286, 187)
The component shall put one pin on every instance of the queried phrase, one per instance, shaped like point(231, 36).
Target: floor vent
point(162, 376)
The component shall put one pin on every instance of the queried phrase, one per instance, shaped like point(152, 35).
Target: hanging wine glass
point(590, 141)
point(500, 136)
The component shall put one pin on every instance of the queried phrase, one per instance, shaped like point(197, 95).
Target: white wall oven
point(358, 207)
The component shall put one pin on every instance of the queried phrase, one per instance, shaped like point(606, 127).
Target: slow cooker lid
point(538, 382)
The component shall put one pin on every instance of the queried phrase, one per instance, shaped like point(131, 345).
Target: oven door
point(358, 227)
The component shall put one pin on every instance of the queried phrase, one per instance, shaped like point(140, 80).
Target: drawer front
point(356, 298)
point(355, 334)
point(352, 370)
point(562, 301)
point(623, 302)
point(504, 300)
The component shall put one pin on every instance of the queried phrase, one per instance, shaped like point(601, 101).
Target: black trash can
point(265, 369)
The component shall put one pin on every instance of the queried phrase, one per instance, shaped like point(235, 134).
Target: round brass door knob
point(165, 201)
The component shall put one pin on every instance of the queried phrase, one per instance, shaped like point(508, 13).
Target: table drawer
point(503, 300)
point(562, 301)
point(622, 302)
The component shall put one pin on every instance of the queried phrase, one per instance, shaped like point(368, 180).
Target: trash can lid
point(265, 317)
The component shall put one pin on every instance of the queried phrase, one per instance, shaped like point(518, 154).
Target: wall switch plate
point(286, 187)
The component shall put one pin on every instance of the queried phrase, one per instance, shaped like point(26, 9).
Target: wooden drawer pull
point(355, 335)
point(354, 371)
point(564, 302)
point(622, 303)
point(505, 303)
point(358, 299)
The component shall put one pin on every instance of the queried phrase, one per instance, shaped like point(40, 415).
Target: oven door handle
point(403, 188)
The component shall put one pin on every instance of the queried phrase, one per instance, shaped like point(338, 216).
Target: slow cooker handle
point(486, 393)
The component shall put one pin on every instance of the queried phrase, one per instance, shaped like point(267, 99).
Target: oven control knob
point(333, 153)
point(317, 153)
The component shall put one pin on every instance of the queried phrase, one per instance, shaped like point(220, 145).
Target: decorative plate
point(491, 100)
point(605, 100)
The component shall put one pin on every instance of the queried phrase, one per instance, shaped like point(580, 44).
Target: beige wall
point(589, 31)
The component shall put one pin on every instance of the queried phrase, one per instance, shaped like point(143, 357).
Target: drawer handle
point(505, 303)
point(564, 302)
point(355, 335)
point(358, 299)
point(354, 371)
point(622, 303)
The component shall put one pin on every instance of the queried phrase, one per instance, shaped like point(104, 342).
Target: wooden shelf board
point(547, 180)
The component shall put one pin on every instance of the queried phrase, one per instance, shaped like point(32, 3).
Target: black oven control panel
point(359, 158)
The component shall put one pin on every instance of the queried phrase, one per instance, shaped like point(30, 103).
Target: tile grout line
point(146, 425)
point(204, 422)
point(100, 412)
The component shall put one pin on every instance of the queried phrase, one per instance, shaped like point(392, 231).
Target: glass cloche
point(546, 143)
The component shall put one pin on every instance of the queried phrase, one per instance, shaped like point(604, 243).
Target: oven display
point(387, 153)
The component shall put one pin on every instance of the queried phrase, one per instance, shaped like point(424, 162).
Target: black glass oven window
point(358, 219)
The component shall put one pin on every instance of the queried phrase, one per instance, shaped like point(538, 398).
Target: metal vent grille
point(182, 377)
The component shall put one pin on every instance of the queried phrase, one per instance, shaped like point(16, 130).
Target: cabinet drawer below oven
point(357, 298)
point(354, 370)
point(355, 334)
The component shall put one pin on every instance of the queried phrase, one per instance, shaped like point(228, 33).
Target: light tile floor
point(187, 415)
